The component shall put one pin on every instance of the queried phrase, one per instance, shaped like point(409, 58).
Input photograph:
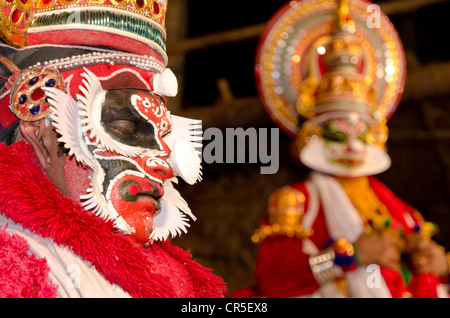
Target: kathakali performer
point(340, 232)
point(90, 153)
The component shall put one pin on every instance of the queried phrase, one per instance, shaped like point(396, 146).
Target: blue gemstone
point(50, 83)
point(33, 81)
point(35, 110)
point(22, 99)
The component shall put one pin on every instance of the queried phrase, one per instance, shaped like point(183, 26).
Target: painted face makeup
point(133, 186)
point(132, 149)
point(345, 142)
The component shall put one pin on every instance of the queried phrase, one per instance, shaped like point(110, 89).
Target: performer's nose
point(158, 168)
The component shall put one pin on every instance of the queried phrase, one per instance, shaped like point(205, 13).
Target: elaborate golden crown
point(342, 87)
point(136, 26)
point(319, 53)
point(15, 19)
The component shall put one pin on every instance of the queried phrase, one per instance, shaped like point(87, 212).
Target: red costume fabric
point(29, 198)
point(22, 275)
point(283, 270)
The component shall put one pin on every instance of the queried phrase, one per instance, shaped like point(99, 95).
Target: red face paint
point(133, 186)
point(77, 177)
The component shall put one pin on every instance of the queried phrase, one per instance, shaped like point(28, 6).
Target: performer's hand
point(382, 251)
point(428, 257)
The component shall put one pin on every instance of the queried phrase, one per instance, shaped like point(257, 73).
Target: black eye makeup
point(123, 123)
point(123, 127)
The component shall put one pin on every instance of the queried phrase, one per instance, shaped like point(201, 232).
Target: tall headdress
point(322, 57)
point(136, 26)
point(99, 32)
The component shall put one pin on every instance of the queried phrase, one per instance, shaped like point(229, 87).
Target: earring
point(49, 162)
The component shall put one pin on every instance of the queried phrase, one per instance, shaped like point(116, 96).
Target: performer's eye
point(337, 136)
point(123, 128)
point(331, 134)
point(363, 136)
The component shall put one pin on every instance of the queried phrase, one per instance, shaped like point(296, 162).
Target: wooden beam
point(254, 31)
point(220, 38)
point(241, 112)
point(427, 81)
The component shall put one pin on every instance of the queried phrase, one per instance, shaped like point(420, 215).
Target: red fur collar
point(28, 197)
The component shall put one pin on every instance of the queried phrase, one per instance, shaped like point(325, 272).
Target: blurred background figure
point(212, 51)
point(340, 232)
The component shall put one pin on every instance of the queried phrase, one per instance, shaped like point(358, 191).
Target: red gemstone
point(37, 94)
point(140, 3)
point(155, 7)
point(16, 16)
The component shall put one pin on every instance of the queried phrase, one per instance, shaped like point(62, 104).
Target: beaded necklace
point(375, 215)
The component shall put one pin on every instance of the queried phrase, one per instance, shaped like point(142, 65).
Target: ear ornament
point(29, 100)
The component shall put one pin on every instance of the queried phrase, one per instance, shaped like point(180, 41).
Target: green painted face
point(345, 142)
